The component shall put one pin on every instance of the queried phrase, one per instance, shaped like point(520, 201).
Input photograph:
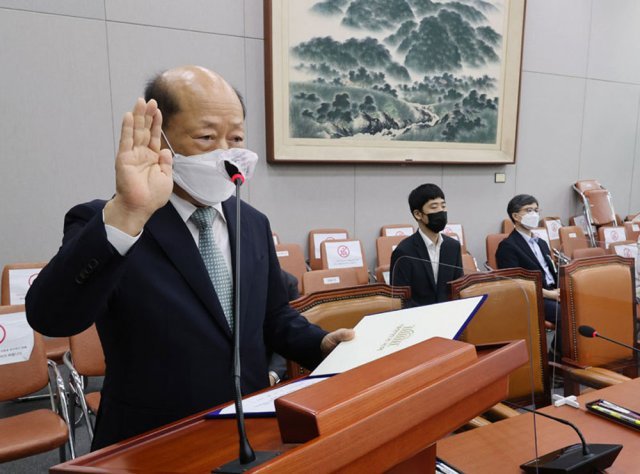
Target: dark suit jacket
point(514, 251)
point(411, 266)
point(167, 345)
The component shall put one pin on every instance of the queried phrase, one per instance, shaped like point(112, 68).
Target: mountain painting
point(396, 80)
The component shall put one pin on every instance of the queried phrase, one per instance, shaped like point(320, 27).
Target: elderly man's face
point(210, 117)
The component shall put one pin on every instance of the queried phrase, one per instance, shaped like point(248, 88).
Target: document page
point(382, 334)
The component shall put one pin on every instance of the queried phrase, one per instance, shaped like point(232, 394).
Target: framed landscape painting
point(392, 81)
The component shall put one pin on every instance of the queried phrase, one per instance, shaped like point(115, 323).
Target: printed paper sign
point(553, 228)
point(394, 231)
point(385, 275)
point(319, 238)
point(16, 338)
point(627, 251)
point(282, 253)
point(344, 254)
point(331, 280)
point(541, 233)
point(20, 281)
point(454, 229)
point(613, 234)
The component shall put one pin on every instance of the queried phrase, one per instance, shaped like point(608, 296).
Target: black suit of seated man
point(519, 249)
point(427, 260)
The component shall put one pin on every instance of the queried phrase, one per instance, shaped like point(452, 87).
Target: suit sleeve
point(72, 290)
point(506, 256)
point(286, 331)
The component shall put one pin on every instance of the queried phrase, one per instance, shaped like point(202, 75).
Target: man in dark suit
point(427, 260)
point(153, 267)
point(522, 249)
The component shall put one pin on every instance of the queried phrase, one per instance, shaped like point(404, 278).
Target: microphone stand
point(248, 458)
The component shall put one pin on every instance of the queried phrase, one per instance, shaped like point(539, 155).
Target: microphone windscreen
point(587, 331)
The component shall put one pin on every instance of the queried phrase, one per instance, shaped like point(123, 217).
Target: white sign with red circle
point(455, 231)
point(628, 251)
point(16, 338)
point(346, 254)
point(613, 234)
point(319, 238)
point(393, 231)
point(553, 228)
point(20, 280)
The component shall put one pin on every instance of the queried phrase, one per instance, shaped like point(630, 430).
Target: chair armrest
point(501, 411)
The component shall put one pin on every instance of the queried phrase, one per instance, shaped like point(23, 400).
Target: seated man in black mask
point(427, 260)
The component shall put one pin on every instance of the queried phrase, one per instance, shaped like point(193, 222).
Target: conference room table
point(503, 446)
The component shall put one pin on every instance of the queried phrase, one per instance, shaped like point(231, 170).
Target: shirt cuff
point(121, 241)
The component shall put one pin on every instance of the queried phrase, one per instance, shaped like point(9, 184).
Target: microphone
point(588, 331)
point(577, 458)
point(234, 173)
point(248, 458)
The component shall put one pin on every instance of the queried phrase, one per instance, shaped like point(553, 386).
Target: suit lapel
point(171, 233)
point(524, 246)
point(423, 253)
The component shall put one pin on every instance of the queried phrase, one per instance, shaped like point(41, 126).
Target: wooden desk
point(503, 446)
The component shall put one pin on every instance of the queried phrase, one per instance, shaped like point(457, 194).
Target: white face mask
point(530, 220)
point(204, 176)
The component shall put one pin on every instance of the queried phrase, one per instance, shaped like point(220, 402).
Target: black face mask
point(437, 221)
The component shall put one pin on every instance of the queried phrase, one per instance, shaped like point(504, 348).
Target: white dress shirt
point(535, 248)
point(122, 241)
point(434, 252)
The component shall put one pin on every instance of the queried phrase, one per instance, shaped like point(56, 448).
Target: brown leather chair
point(395, 230)
point(507, 226)
point(598, 292)
point(35, 431)
point(329, 279)
point(344, 308)
point(589, 252)
point(334, 250)
point(632, 229)
point(292, 261)
point(513, 310)
point(385, 247)
point(456, 231)
point(55, 347)
point(85, 359)
point(316, 237)
point(491, 244)
point(383, 274)
point(608, 235)
point(469, 264)
point(572, 238)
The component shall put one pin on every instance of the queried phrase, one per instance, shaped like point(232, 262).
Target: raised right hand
point(143, 171)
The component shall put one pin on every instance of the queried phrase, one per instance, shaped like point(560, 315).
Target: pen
point(615, 414)
point(615, 407)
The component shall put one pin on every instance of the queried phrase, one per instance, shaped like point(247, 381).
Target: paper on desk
point(382, 334)
point(263, 403)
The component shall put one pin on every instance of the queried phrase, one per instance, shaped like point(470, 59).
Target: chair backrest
point(344, 308)
point(553, 225)
point(292, 261)
point(587, 185)
point(329, 279)
point(456, 231)
point(600, 206)
point(589, 252)
point(572, 238)
point(87, 354)
point(513, 310)
point(316, 237)
point(625, 248)
point(16, 280)
point(610, 234)
point(507, 226)
point(632, 229)
point(492, 241)
point(21, 378)
point(385, 247)
point(469, 264)
point(383, 274)
point(393, 230)
point(598, 292)
point(347, 253)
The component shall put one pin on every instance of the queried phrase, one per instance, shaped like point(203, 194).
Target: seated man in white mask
point(153, 266)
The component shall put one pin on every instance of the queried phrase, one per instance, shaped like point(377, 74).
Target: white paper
point(275, 240)
point(16, 338)
point(382, 334)
point(553, 228)
point(613, 234)
point(455, 229)
point(264, 402)
point(394, 231)
point(331, 280)
point(20, 281)
point(282, 253)
point(628, 251)
point(541, 233)
point(319, 238)
point(385, 275)
point(344, 254)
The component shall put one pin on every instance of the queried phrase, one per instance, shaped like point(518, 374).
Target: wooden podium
point(384, 416)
